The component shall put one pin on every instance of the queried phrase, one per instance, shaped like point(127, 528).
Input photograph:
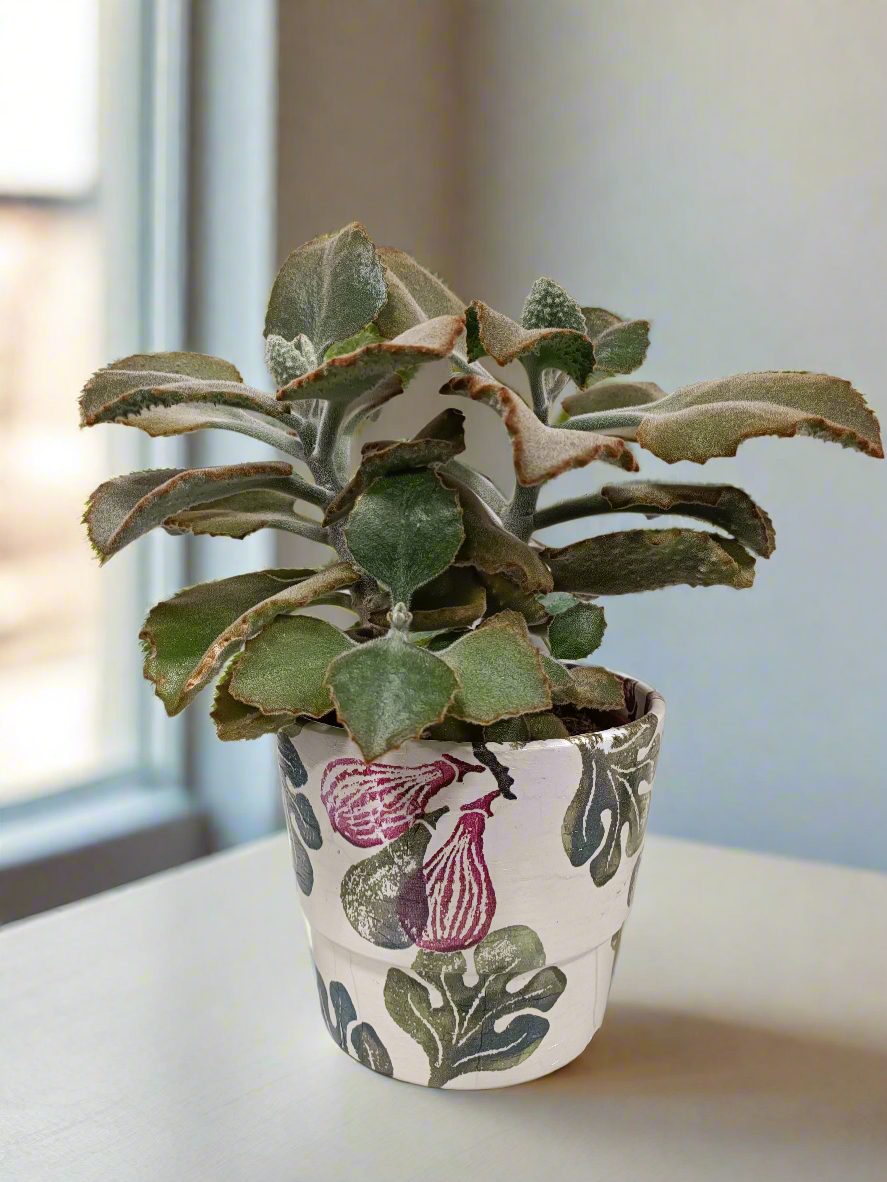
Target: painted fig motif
point(370, 804)
point(461, 900)
point(384, 896)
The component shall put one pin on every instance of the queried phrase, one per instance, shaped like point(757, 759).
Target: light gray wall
point(721, 168)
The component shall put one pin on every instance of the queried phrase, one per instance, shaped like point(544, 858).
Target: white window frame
point(189, 119)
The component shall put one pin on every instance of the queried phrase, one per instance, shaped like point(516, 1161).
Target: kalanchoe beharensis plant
point(463, 621)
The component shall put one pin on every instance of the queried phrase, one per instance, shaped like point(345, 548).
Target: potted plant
point(466, 804)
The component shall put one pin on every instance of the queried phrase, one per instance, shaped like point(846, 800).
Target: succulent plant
point(463, 621)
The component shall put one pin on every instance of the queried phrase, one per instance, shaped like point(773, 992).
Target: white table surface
point(169, 1031)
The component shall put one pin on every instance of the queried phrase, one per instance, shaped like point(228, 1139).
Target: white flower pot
point(464, 905)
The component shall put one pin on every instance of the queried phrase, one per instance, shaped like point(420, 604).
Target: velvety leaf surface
point(548, 305)
point(479, 484)
point(540, 453)
point(505, 340)
point(712, 418)
point(328, 289)
point(467, 1031)
point(492, 549)
point(234, 720)
point(242, 514)
point(620, 346)
point(558, 601)
point(594, 688)
point(500, 672)
point(438, 442)
point(414, 294)
point(375, 368)
point(125, 508)
point(613, 796)
point(189, 637)
point(719, 504)
point(575, 633)
point(388, 691)
point(647, 559)
point(610, 395)
point(405, 530)
point(284, 667)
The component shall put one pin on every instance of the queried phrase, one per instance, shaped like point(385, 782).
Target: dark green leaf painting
point(301, 820)
point(368, 1048)
point(610, 796)
point(460, 1035)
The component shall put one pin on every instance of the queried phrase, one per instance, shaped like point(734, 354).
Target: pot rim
point(654, 705)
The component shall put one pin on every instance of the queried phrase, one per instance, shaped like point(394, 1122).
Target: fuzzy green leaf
point(242, 514)
point(405, 530)
point(125, 508)
point(505, 340)
point(376, 370)
point(595, 688)
point(648, 559)
point(414, 294)
point(540, 453)
point(719, 504)
point(549, 306)
point(494, 550)
point(500, 672)
point(328, 289)
point(620, 346)
point(575, 633)
point(436, 443)
point(188, 638)
point(713, 418)
point(388, 691)
point(479, 484)
point(235, 721)
point(283, 668)
point(610, 395)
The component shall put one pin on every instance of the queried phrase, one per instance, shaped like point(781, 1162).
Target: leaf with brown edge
point(372, 370)
point(244, 513)
point(328, 289)
point(648, 559)
point(505, 340)
point(540, 453)
point(188, 638)
point(283, 668)
point(388, 691)
point(587, 687)
point(499, 672)
point(175, 393)
point(722, 505)
point(414, 294)
point(713, 418)
point(125, 508)
point(439, 441)
point(504, 595)
point(455, 599)
point(234, 720)
point(620, 346)
point(574, 634)
point(610, 395)
point(492, 549)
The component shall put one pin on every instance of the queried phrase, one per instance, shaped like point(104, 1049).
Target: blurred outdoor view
point(51, 330)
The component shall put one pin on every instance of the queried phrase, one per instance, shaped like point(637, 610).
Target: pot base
point(442, 1023)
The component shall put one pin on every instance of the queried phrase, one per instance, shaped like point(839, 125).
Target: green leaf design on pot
point(384, 896)
point(301, 820)
point(460, 1035)
point(368, 1047)
point(291, 766)
point(305, 820)
point(301, 861)
point(614, 783)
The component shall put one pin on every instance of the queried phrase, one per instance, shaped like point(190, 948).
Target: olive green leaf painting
point(466, 1032)
point(614, 791)
point(368, 1048)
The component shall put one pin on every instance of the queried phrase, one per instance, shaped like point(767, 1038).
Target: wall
point(722, 169)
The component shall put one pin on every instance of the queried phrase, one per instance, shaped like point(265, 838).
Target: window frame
point(175, 75)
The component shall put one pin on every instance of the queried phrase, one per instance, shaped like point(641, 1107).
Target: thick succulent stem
point(519, 517)
point(323, 458)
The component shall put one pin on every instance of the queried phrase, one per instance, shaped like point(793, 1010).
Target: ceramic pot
point(465, 903)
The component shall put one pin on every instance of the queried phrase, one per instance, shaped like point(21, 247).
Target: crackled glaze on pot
point(465, 904)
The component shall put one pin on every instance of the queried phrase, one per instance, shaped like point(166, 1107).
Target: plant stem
point(322, 459)
point(520, 515)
